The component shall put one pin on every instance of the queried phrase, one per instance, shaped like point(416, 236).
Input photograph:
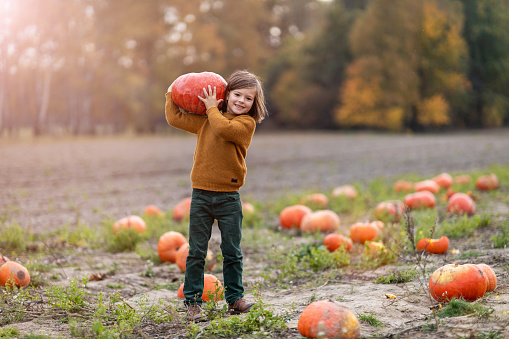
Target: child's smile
point(241, 100)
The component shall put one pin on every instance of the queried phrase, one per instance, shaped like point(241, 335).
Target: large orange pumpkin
point(390, 211)
point(487, 182)
point(422, 199)
point(14, 274)
point(333, 241)
point(211, 285)
point(315, 200)
point(183, 252)
point(444, 180)
point(182, 209)
point(152, 211)
point(328, 319)
point(492, 277)
point(322, 221)
point(458, 281)
point(187, 87)
point(427, 185)
point(461, 203)
point(434, 246)
point(133, 222)
point(291, 216)
point(168, 245)
point(362, 231)
point(347, 191)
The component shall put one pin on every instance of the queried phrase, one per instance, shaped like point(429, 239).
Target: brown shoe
point(239, 306)
point(194, 313)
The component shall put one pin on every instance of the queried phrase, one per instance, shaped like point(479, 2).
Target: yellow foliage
point(433, 111)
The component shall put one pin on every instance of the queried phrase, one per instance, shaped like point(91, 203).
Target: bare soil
point(45, 184)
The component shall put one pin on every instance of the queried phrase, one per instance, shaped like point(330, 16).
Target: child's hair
point(244, 79)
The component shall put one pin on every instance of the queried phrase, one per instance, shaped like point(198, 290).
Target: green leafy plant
point(398, 277)
point(459, 307)
point(370, 319)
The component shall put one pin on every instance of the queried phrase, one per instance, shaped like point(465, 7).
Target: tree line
point(103, 66)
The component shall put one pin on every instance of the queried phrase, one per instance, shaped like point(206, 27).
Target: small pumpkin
point(390, 211)
point(320, 221)
point(182, 209)
point(458, 281)
point(168, 245)
point(315, 200)
point(374, 248)
point(434, 246)
point(133, 222)
point(427, 185)
point(248, 208)
point(461, 203)
point(14, 274)
point(487, 182)
point(418, 200)
point(492, 277)
point(333, 241)
point(211, 285)
point(328, 319)
point(347, 191)
point(291, 216)
point(183, 252)
point(462, 179)
point(187, 87)
point(152, 211)
point(444, 180)
point(362, 231)
point(403, 186)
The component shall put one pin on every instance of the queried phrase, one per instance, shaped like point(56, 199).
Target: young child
point(218, 172)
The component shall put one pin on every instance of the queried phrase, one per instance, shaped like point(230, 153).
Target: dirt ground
point(45, 184)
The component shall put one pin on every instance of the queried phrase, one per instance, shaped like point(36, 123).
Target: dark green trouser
point(206, 206)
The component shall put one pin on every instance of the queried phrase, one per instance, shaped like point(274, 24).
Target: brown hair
point(244, 79)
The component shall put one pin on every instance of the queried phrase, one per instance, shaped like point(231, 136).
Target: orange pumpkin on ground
point(315, 200)
point(492, 277)
point(328, 319)
point(133, 222)
point(403, 186)
point(183, 252)
point(211, 285)
point(444, 180)
point(427, 185)
point(14, 274)
point(374, 248)
point(182, 209)
point(320, 221)
point(379, 224)
point(347, 191)
point(291, 216)
point(152, 211)
point(462, 179)
point(434, 246)
point(362, 231)
point(333, 241)
point(390, 211)
point(461, 203)
point(487, 182)
point(458, 281)
point(168, 245)
point(248, 208)
point(422, 199)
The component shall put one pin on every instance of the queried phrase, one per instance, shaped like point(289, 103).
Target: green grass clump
point(370, 319)
point(501, 240)
point(459, 307)
point(398, 277)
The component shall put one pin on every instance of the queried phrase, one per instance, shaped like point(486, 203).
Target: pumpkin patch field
point(345, 235)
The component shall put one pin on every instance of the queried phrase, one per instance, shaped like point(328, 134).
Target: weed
point(8, 332)
point(70, 298)
point(501, 240)
point(398, 277)
point(12, 238)
point(370, 319)
point(459, 307)
point(471, 254)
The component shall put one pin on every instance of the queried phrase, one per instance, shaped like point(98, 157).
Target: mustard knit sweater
point(223, 139)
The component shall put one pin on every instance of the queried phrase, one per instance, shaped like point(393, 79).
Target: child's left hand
point(210, 99)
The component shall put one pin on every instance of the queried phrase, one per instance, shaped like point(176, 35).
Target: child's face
point(240, 100)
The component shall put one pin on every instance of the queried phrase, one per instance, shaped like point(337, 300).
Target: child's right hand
point(210, 98)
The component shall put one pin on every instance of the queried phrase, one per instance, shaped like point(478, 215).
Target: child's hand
point(210, 99)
